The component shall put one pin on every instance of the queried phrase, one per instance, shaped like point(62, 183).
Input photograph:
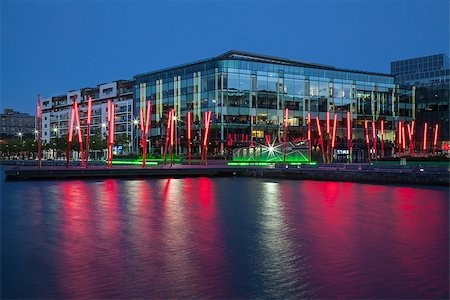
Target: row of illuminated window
point(235, 82)
point(262, 68)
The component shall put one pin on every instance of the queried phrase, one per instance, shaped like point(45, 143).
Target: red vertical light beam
point(39, 130)
point(349, 137)
point(88, 129)
point(374, 140)
point(69, 140)
point(425, 127)
point(382, 138)
point(309, 137)
point(143, 142)
point(189, 136)
point(80, 137)
point(403, 138)
point(109, 132)
point(320, 139)
point(334, 137)
point(171, 136)
point(436, 129)
point(412, 138)
point(205, 140)
point(113, 124)
point(169, 122)
point(366, 127)
point(286, 115)
point(408, 127)
point(399, 139)
point(328, 137)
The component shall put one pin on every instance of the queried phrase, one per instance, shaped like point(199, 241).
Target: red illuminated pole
point(69, 140)
point(309, 137)
point(366, 127)
point(334, 137)
point(349, 137)
point(425, 127)
point(143, 140)
point(408, 127)
point(169, 122)
point(171, 137)
point(113, 112)
point(412, 138)
point(436, 128)
point(321, 140)
point(109, 132)
point(328, 137)
point(399, 138)
point(189, 136)
point(286, 115)
point(88, 129)
point(39, 131)
point(403, 139)
point(205, 140)
point(144, 131)
point(382, 138)
point(374, 140)
point(80, 137)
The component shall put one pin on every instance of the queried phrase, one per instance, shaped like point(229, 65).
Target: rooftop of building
point(248, 56)
point(12, 112)
point(426, 57)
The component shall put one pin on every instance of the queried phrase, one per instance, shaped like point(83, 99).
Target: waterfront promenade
point(383, 174)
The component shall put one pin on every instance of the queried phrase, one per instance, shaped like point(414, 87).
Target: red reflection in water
point(75, 260)
point(350, 230)
point(418, 226)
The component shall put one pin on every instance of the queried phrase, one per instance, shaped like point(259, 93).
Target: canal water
point(223, 238)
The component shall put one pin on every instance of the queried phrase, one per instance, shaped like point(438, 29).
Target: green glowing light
point(134, 162)
point(250, 163)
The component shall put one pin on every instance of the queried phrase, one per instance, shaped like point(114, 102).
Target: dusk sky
point(50, 47)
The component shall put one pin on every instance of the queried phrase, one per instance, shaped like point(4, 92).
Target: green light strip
point(133, 162)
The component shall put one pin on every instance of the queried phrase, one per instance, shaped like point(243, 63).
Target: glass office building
point(248, 93)
point(430, 75)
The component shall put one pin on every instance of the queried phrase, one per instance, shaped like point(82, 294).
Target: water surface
point(222, 238)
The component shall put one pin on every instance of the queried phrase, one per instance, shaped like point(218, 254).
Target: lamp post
point(135, 124)
point(174, 118)
point(20, 137)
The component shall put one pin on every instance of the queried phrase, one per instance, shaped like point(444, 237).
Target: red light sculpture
point(349, 137)
point(366, 127)
point(144, 130)
point(374, 140)
point(382, 138)
point(328, 137)
point(189, 136)
point(321, 140)
point(111, 124)
point(171, 136)
point(399, 138)
point(88, 121)
point(75, 116)
point(169, 124)
point(334, 137)
point(39, 130)
point(436, 128)
point(425, 127)
point(286, 116)
point(309, 137)
point(205, 139)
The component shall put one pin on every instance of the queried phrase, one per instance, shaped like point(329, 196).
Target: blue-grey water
point(223, 238)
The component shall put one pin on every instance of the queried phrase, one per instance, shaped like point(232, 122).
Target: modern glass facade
point(248, 93)
point(430, 76)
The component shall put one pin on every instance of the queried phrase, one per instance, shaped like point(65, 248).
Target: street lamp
point(135, 146)
point(174, 118)
point(20, 136)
